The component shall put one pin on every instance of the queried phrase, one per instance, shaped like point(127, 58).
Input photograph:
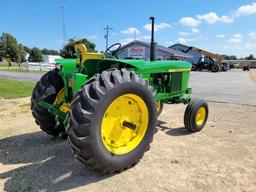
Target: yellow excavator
point(210, 61)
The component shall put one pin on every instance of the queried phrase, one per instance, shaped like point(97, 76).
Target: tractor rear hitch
point(52, 109)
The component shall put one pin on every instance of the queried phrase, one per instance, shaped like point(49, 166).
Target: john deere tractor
point(109, 107)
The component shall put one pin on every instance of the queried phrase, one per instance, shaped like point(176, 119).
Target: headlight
point(58, 66)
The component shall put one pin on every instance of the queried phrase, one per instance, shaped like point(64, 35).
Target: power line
point(62, 7)
point(107, 28)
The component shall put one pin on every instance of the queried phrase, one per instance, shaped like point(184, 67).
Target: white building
point(141, 50)
point(50, 58)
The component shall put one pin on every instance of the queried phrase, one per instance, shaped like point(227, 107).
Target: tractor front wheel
point(47, 89)
point(196, 115)
point(194, 67)
point(112, 121)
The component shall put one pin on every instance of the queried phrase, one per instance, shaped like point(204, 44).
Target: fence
point(30, 66)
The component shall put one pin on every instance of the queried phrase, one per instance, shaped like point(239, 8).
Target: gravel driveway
point(220, 158)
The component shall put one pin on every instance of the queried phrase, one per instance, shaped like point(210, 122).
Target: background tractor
point(108, 107)
point(209, 61)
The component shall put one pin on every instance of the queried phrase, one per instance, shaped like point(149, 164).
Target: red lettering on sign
point(136, 50)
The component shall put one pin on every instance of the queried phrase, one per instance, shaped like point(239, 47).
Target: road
point(30, 76)
point(234, 86)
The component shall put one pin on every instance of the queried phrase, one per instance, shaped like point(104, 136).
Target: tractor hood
point(154, 66)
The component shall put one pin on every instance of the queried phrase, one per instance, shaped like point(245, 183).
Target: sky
point(224, 27)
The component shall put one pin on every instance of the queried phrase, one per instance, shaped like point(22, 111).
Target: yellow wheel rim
point(64, 107)
point(124, 124)
point(200, 116)
point(158, 105)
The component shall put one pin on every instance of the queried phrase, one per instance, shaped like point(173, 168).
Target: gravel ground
point(220, 158)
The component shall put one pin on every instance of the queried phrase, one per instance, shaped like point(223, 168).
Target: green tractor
point(108, 108)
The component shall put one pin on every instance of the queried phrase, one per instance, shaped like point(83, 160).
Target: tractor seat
point(83, 54)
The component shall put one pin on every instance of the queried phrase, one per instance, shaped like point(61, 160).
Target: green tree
point(9, 47)
point(68, 50)
point(35, 55)
point(22, 53)
point(250, 57)
point(27, 49)
point(230, 57)
point(50, 52)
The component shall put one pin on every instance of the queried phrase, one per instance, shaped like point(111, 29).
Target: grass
point(10, 89)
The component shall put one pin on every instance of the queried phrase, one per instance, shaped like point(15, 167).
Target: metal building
point(141, 50)
point(185, 49)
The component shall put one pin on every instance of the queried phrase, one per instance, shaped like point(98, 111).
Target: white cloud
point(220, 36)
point(183, 34)
point(147, 27)
point(235, 41)
point(252, 35)
point(237, 36)
point(200, 37)
point(113, 33)
point(226, 19)
point(169, 43)
point(126, 41)
point(212, 17)
point(195, 30)
point(209, 17)
point(189, 21)
point(249, 45)
point(157, 26)
point(130, 31)
point(182, 40)
point(186, 40)
point(146, 37)
point(246, 9)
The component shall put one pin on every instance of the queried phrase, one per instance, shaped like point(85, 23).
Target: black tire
point(191, 112)
point(86, 114)
point(159, 111)
point(245, 68)
point(194, 67)
point(47, 89)
point(215, 68)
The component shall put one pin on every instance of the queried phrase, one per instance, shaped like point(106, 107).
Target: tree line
point(233, 57)
point(14, 51)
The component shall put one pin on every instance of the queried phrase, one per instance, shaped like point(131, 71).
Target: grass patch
point(10, 89)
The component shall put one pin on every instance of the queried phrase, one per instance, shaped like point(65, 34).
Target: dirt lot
point(220, 158)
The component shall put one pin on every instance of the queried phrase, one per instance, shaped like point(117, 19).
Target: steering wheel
point(115, 51)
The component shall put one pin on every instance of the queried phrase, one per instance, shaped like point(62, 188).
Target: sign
point(136, 52)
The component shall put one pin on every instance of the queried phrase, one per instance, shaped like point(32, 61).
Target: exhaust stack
point(153, 45)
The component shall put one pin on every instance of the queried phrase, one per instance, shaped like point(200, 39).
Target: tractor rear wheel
point(112, 120)
point(215, 68)
point(196, 115)
point(47, 90)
